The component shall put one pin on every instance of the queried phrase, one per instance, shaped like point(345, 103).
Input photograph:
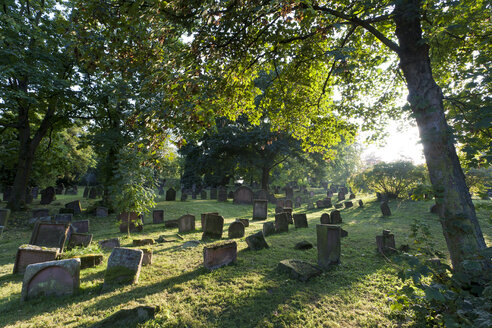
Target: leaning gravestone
point(282, 222)
point(81, 226)
point(213, 226)
point(30, 254)
point(109, 244)
point(335, 217)
point(124, 266)
point(260, 209)
point(236, 230)
point(256, 241)
point(268, 228)
point(53, 278)
point(157, 216)
point(329, 246)
point(186, 223)
point(130, 221)
point(4, 216)
point(385, 210)
point(219, 255)
point(101, 212)
point(213, 193)
point(50, 235)
point(386, 242)
point(222, 195)
point(76, 206)
point(79, 240)
point(300, 220)
point(203, 194)
point(298, 269)
point(171, 194)
point(243, 195)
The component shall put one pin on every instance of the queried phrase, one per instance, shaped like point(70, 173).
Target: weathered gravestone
point(59, 189)
point(236, 230)
point(213, 226)
point(213, 193)
point(348, 204)
point(341, 196)
point(147, 256)
point(63, 218)
point(40, 212)
point(245, 222)
point(386, 242)
point(53, 278)
point(143, 242)
point(300, 220)
point(30, 254)
point(124, 266)
point(109, 244)
point(130, 221)
point(76, 206)
point(289, 192)
point(79, 240)
point(288, 203)
point(129, 317)
point(268, 228)
point(325, 218)
point(81, 226)
point(385, 210)
point(222, 196)
point(101, 212)
point(158, 216)
point(298, 269)
point(361, 203)
point(335, 217)
point(256, 241)
point(260, 209)
point(329, 245)
point(93, 193)
point(327, 202)
point(203, 194)
point(90, 260)
point(186, 223)
point(243, 195)
point(320, 204)
point(202, 217)
point(282, 222)
point(171, 194)
point(4, 216)
point(219, 255)
point(50, 235)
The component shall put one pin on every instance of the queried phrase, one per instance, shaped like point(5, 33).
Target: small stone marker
point(81, 226)
point(171, 223)
point(213, 193)
point(147, 256)
point(186, 223)
point(361, 203)
point(300, 220)
point(243, 195)
point(131, 221)
point(157, 216)
point(90, 260)
point(385, 210)
point(213, 226)
point(348, 204)
point(203, 194)
point(329, 246)
point(268, 228)
point(256, 241)
point(143, 242)
point(40, 212)
point(245, 222)
point(4, 216)
point(352, 196)
point(325, 218)
point(76, 206)
point(219, 255)
point(299, 270)
point(50, 235)
point(30, 254)
point(47, 196)
point(53, 278)
point(222, 196)
point(63, 218)
point(79, 240)
point(260, 209)
point(124, 266)
point(386, 242)
point(282, 222)
point(109, 244)
point(341, 196)
point(236, 230)
point(171, 194)
point(335, 217)
point(101, 212)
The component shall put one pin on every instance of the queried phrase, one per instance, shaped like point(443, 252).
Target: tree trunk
point(17, 199)
point(459, 222)
point(265, 176)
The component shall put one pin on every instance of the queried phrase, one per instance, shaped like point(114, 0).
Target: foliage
point(393, 179)
point(479, 180)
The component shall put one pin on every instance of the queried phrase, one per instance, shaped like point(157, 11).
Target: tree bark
point(265, 176)
point(461, 229)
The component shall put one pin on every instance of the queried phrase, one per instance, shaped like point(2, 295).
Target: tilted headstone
point(171, 194)
point(268, 228)
point(243, 195)
point(348, 204)
point(109, 244)
point(260, 209)
point(213, 193)
point(236, 230)
point(30, 254)
point(4, 216)
point(124, 266)
point(298, 269)
point(40, 212)
point(386, 242)
point(76, 206)
point(385, 210)
point(101, 212)
point(158, 216)
point(51, 235)
point(90, 260)
point(186, 223)
point(222, 195)
point(63, 218)
point(335, 217)
point(203, 194)
point(81, 226)
point(300, 220)
point(289, 192)
point(256, 241)
point(213, 226)
point(53, 278)
point(329, 244)
point(79, 240)
point(282, 222)
point(130, 221)
point(245, 222)
point(219, 255)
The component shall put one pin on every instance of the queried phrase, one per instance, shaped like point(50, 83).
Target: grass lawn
point(249, 294)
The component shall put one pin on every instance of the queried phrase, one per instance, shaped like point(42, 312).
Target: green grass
point(249, 294)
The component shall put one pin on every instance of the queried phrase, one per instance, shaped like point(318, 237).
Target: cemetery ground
point(251, 293)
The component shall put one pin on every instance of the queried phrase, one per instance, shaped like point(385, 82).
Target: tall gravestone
point(300, 220)
point(131, 221)
point(158, 216)
point(260, 209)
point(47, 196)
point(222, 194)
point(282, 222)
point(213, 226)
point(186, 223)
point(124, 266)
point(335, 217)
point(171, 194)
point(329, 244)
point(243, 195)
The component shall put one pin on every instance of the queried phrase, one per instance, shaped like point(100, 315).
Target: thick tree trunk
point(17, 199)
point(265, 176)
point(457, 213)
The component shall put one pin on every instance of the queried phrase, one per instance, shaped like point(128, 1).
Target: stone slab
point(124, 265)
point(298, 269)
point(30, 254)
point(219, 255)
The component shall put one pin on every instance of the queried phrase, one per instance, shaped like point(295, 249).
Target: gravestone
point(51, 235)
point(79, 240)
point(287, 203)
point(256, 241)
point(243, 195)
point(300, 220)
point(385, 210)
point(325, 218)
point(30, 254)
point(272, 199)
point(289, 192)
point(93, 193)
point(320, 204)
point(338, 206)
point(171, 223)
point(268, 228)
point(236, 230)
point(245, 222)
point(109, 244)
point(329, 193)
point(76, 206)
point(124, 266)
point(147, 256)
point(171, 194)
point(361, 203)
point(186, 223)
point(34, 192)
point(157, 216)
point(261, 194)
point(203, 194)
point(4, 216)
point(63, 218)
point(348, 204)
point(143, 242)
point(86, 192)
point(213, 226)
point(219, 255)
point(329, 244)
point(40, 212)
point(260, 209)
point(282, 222)
point(53, 278)
point(352, 196)
point(298, 269)
point(341, 196)
point(202, 217)
point(184, 196)
point(81, 226)
point(222, 196)
point(101, 212)
point(90, 260)
point(213, 193)
point(386, 242)
point(327, 202)
point(335, 217)
point(7, 191)
point(130, 221)
point(59, 189)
